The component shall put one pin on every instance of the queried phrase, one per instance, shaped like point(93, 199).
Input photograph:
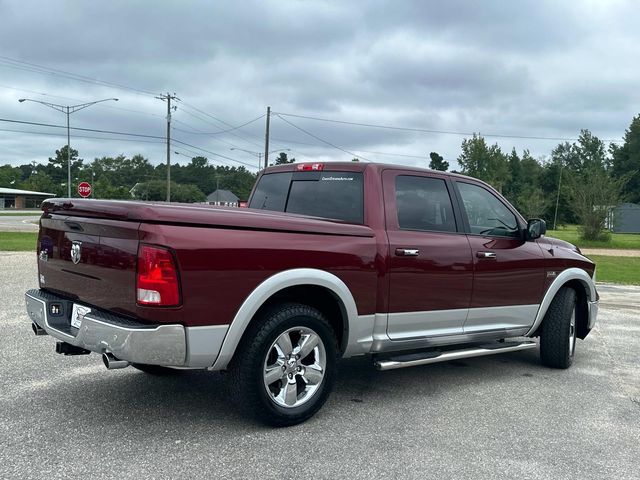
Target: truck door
point(430, 264)
point(508, 271)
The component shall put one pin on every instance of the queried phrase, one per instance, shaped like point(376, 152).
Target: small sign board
point(84, 189)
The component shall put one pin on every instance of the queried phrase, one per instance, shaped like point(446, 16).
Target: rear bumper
point(126, 339)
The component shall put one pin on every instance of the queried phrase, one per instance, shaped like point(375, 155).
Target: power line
point(322, 140)
point(235, 134)
point(221, 131)
point(242, 137)
point(181, 150)
point(390, 154)
point(111, 132)
point(33, 67)
point(443, 132)
point(286, 141)
point(48, 95)
point(195, 130)
point(38, 124)
point(213, 153)
point(81, 136)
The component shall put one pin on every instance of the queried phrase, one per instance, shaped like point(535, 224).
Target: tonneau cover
point(201, 215)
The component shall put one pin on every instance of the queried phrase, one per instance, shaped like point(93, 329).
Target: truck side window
point(335, 195)
point(424, 203)
point(486, 213)
point(271, 192)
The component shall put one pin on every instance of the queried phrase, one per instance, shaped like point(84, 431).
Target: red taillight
point(304, 167)
point(157, 281)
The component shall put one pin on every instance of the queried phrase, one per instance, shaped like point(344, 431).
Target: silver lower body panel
point(168, 345)
point(593, 314)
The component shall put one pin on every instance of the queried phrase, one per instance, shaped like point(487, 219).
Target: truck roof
point(358, 167)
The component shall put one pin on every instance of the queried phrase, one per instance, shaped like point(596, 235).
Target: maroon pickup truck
point(329, 261)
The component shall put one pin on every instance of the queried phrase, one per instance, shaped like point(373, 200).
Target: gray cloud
point(535, 68)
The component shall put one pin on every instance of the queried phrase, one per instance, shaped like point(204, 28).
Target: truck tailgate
point(89, 260)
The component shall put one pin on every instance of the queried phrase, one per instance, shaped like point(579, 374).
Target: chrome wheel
point(294, 367)
point(572, 332)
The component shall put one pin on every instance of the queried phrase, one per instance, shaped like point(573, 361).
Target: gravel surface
point(610, 252)
point(502, 416)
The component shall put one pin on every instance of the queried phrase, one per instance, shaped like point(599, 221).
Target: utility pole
point(168, 97)
point(266, 139)
point(68, 112)
point(555, 216)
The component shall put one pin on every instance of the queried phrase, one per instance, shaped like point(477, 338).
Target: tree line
point(122, 178)
point(578, 183)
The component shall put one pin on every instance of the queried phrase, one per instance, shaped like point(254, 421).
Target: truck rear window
point(337, 195)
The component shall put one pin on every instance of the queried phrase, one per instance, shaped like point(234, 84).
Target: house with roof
point(13, 198)
point(225, 198)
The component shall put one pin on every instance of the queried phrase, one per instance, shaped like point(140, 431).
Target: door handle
point(407, 252)
point(486, 255)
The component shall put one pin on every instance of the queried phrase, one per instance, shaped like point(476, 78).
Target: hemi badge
point(551, 274)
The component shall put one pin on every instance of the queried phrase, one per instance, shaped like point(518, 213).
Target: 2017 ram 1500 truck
point(329, 261)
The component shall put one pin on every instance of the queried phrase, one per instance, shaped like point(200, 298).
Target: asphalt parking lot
point(503, 416)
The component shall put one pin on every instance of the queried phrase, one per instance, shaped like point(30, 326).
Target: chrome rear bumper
point(106, 333)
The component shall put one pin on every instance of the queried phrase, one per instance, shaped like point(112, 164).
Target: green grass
point(625, 270)
point(25, 214)
point(617, 269)
point(18, 241)
point(618, 240)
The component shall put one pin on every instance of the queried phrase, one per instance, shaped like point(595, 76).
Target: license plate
point(77, 314)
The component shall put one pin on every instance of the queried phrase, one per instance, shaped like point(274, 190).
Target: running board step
point(415, 359)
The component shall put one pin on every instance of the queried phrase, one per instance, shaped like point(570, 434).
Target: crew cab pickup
point(330, 261)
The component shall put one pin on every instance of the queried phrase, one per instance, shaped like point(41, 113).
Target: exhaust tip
point(113, 363)
point(37, 329)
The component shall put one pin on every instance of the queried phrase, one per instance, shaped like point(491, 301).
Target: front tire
point(558, 336)
point(284, 370)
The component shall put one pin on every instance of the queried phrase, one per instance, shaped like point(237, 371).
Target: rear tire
point(284, 370)
point(558, 336)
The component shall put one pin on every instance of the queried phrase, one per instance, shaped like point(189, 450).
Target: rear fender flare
point(272, 285)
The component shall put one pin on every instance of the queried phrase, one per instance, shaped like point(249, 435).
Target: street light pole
point(68, 110)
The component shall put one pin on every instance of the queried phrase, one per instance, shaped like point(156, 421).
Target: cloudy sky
point(522, 69)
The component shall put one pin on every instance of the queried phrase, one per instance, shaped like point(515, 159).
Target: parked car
point(330, 261)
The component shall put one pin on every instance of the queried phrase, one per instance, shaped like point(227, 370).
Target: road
point(503, 416)
point(19, 223)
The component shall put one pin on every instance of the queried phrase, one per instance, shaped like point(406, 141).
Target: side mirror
point(536, 227)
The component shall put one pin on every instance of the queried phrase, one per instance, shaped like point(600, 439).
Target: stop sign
point(84, 189)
